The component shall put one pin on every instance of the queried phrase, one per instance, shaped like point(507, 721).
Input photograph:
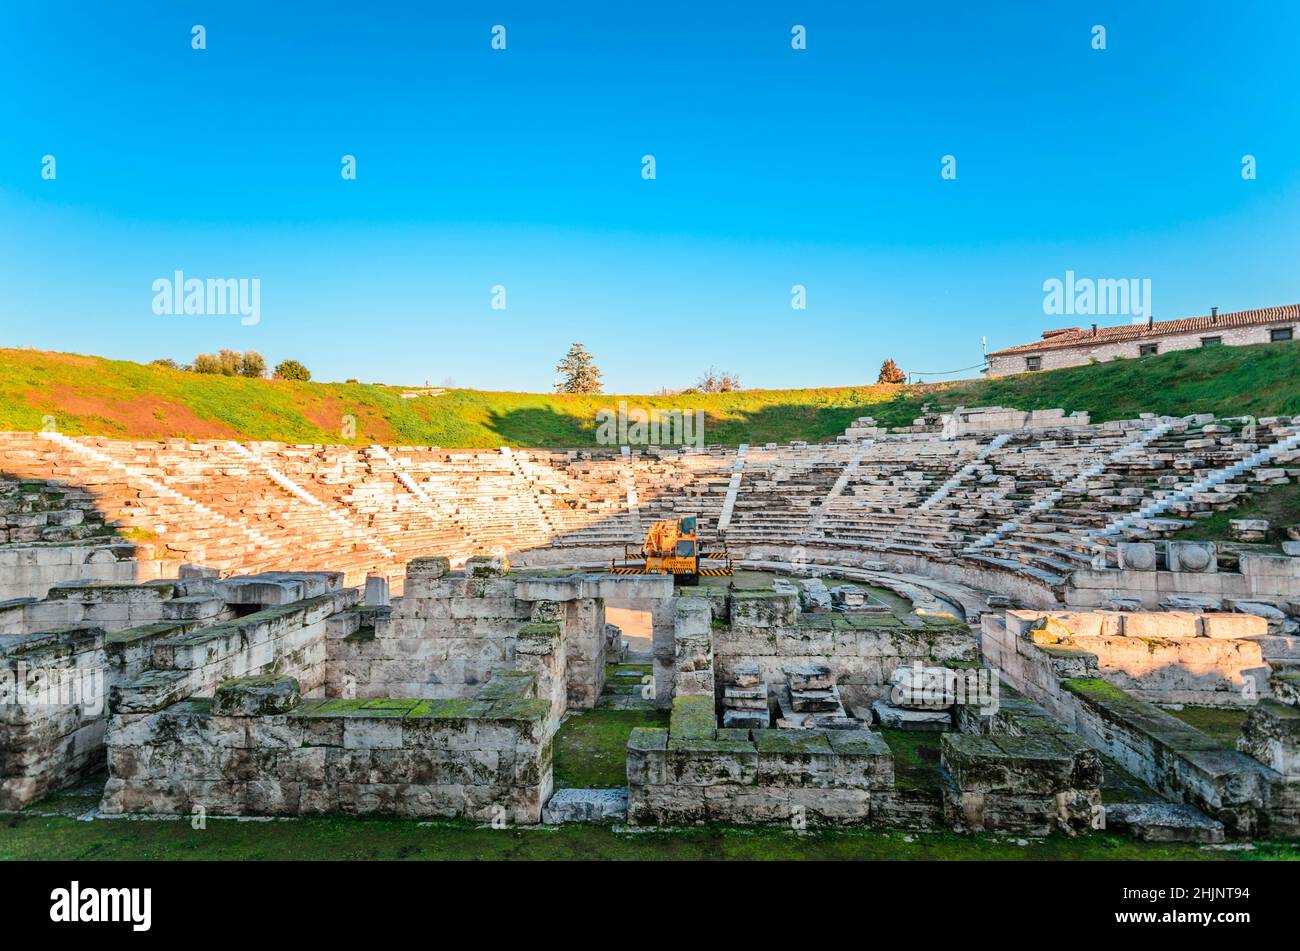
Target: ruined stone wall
point(694, 772)
point(1205, 659)
point(1017, 769)
point(30, 571)
point(1271, 579)
point(286, 638)
point(862, 651)
point(256, 750)
point(450, 631)
point(61, 660)
point(1175, 759)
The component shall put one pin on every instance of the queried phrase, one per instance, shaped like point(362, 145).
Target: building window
point(1211, 341)
point(1148, 349)
point(1033, 363)
point(1278, 334)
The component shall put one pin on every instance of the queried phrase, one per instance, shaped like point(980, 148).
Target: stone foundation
point(488, 758)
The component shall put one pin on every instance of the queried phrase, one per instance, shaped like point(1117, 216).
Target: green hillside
point(90, 395)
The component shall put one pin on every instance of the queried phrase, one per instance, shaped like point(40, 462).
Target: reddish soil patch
point(327, 412)
point(145, 418)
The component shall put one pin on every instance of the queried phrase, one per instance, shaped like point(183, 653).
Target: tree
point(718, 381)
point(292, 370)
point(578, 372)
point(207, 363)
point(167, 362)
point(231, 363)
point(252, 364)
point(890, 373)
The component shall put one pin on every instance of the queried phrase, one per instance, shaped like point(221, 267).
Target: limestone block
point(256, 696)
point(647, 757)
point(899, 718)
point(486, 566)
point(547, 611)
point(377, 594)
point(1192, 557)
point(1170, 624)
point(744, 805)
point(1137, 556)
point(1248, 529)
point(711, 762)
point(538, 638)
point(762, 609)
point(1163, 822)
point(1271, 734)
point(586, 805)
point(1027, 765)
point(1223, 624)
point(809, 676)
point(261, 591)
point(794, 758)
point(429, 569)
point(862, 760)
point(1276, 619)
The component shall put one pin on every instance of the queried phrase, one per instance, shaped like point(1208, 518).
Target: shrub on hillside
point(292, 370)
point(231, 363)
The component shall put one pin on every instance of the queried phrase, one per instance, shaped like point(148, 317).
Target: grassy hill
point(91, 395)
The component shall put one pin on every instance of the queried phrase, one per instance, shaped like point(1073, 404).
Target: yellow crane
point(672, 547)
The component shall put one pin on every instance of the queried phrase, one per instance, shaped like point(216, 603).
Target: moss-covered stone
point(693, 717)
point(450, 709)
point(1094, 688)
point(264, 695)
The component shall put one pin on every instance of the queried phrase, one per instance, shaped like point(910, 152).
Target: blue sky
point(522, 168)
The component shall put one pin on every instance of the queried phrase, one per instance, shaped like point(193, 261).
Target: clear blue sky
point(522, 168)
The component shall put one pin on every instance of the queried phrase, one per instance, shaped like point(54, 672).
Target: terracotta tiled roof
point(1067, 339)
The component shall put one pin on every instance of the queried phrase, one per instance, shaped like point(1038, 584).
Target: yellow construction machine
point(672, 547)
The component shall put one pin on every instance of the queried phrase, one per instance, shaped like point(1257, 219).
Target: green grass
point(334, 838)
point(1280, 505)
point(90, 395)
point(590, 750)
point(916, 758)
point(1222, 724)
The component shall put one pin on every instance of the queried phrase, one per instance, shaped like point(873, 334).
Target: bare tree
point(718, 381)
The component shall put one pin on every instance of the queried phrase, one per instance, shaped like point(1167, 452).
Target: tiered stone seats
point(1040, 502)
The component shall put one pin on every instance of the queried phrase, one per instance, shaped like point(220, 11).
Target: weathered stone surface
point(1137, 556)
point(1163, 822)
point(1192, 557)
point(256, 696)
point(803, 677)
point(586, 805)
point(1271, 734)
point(899, 718)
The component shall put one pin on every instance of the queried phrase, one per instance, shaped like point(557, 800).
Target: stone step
point(586, 805)
point(1163, 822)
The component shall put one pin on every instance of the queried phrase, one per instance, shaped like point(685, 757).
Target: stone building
point(1076, 346)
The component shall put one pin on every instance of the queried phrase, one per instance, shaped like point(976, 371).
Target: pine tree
point(890, 373)
point(578, 372)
